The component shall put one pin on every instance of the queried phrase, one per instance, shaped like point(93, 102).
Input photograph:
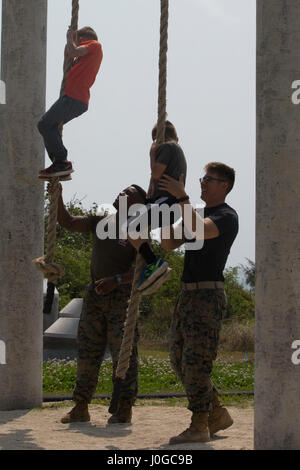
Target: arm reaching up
point(71, 49)
point(68, 221)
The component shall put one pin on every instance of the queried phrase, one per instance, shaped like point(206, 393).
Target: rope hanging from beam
point(133, 308)
point(45, 263)
point(68, 60)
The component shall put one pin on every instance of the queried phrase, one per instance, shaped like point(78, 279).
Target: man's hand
point(172, 186)
point(105, 285)
point(50, 189)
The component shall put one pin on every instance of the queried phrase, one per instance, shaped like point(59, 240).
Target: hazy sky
point(211, 97)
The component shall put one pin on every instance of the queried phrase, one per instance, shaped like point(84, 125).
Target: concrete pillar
point(23, 70)
point(277, 374)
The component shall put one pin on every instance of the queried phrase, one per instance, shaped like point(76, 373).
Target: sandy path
point(151, 429)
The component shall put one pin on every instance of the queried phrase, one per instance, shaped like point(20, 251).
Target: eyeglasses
point(207, 179)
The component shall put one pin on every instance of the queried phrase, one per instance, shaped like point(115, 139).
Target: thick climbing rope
point(133, 307)
point(45, 264)
point(68, 60)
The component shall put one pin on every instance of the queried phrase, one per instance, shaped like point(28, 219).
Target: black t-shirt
point(170, 154)
point(109, 256)
point(208, 263)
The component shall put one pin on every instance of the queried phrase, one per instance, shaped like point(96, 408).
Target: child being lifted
point(83, 46)
point(165, 159)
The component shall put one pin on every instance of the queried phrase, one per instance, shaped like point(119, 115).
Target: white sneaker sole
point(65, 178)
point(157, 283)
point(153, 276)
point(61, 178)
point(59, 173)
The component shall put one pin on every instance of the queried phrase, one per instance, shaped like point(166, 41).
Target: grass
point(230, 373)
point(237, 336)
point(233, 376)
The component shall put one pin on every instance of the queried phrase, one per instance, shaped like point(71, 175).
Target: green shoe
point(151, 272)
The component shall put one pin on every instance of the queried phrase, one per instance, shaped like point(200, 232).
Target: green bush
point(73, 250)
point(166, 297)
point(240, 300)
point(237, 336)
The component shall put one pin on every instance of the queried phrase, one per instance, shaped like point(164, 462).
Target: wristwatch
point(182, 199)
point(118, 279)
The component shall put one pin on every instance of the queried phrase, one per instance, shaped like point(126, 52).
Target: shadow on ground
point(21, 438)
point(108, 432)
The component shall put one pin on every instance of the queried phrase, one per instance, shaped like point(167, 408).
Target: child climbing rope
point(165, 159)
point(85, 50)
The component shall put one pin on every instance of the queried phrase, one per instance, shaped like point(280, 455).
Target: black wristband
point(184, 198)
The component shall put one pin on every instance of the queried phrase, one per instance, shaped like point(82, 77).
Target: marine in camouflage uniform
point(194, 342)
point(198, 314)
point(104, 312)
point(101, 326)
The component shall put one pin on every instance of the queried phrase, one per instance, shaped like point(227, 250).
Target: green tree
point(240, 300)
point(157, 309)
point(73, 250)
point(250, 274)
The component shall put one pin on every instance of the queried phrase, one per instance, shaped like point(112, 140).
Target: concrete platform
point(59, 341)
point(63, 328)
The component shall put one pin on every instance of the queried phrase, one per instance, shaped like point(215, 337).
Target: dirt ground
point(151, 428)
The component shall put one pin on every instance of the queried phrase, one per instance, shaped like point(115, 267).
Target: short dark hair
point(87, 32)
point(170, 131)
point(223, 171)
point(141, 191)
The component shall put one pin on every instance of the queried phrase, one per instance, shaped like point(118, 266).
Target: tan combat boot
point(219, 419)
point(123, 414)
point(79, 413)
point(197, 432)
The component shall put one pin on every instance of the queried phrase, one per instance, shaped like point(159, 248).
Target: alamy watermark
point(296, 354)
point(2, 353)
point(134, 221)
point(2, 92)
point(296, 94)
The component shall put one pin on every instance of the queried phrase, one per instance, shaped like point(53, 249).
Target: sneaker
point(157, 283)
point(151, 272)
point(61, 178)
point(65, 178)
point(57, 169)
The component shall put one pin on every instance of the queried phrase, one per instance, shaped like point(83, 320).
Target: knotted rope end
point(51, 271)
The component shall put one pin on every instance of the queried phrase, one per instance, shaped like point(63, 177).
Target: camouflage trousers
point(194, 343)
point(101, 325)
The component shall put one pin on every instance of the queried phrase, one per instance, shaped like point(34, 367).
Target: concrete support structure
point(23, 69)
point(277, 378)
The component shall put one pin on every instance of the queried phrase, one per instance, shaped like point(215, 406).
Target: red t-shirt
point(83, 72)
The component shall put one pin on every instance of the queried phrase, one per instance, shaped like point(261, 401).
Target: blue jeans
point(64, 110)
